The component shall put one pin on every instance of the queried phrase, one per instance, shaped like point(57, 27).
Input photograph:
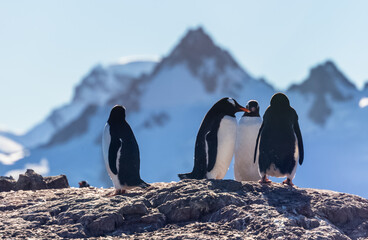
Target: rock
point(33, 181)
point(30, 181)
point(7, 184)
point(104, 224)
point(56, 182)
point(136, 208)
point(189, 209)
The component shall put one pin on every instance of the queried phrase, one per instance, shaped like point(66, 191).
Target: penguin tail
point(143, 184)
point(190, 176)
point(185, 176)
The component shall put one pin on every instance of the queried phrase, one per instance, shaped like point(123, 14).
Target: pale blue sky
point(46, 47)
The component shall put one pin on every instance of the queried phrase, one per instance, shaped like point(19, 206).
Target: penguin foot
point(265, 180)
point(288, 182)
point(117, 192)
point(120, 191)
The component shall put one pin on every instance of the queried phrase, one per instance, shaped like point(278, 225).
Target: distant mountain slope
point(325, 82)
point(96, 88)
point(10, 150)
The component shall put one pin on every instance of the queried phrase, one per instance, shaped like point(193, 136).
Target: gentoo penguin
point(280, 141)
point(246, 136)
point(215, 143)
point(121, 152)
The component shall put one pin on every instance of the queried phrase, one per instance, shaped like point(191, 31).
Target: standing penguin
point(121, 152)
point(280, 141)
point(215, 143)
point(246, 136)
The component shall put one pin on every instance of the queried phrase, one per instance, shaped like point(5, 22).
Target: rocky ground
point(189, 209)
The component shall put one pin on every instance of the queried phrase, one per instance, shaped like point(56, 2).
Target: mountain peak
point(196, 46)
point(324, 79)
point(196, 40)
point(203, 57)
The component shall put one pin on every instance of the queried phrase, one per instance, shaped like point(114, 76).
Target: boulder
point(7, 184)
point(30, 181)
point(56, 182)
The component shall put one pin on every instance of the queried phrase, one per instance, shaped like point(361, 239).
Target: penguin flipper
point(257, 142)
point(211, 140)
point(113, 152)
point(300, 141)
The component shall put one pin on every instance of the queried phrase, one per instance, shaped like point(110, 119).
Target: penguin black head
point(117, 115)
point(253, 106)
point(280, 101)
point(228, 106)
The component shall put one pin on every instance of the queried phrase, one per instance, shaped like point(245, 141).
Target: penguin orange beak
point(244, 109)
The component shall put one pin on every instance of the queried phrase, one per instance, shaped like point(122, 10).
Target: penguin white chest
point(226, 136)
point(106, 140)
point(247, 131)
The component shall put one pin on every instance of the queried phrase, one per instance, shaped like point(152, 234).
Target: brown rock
point(7, 184)
point(30, 181)
point(56, 182)
point(105, 224)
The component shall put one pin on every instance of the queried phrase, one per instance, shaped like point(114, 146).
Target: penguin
point(279, 141)
point(83, 184)
point(246, 136)
point(215, 142)
point(121, 152)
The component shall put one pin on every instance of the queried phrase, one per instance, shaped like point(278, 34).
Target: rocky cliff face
point(189, 209)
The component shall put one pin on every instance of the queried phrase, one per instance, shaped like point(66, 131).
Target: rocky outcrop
point(189, 209)
point(7, 184)
point(33, 181)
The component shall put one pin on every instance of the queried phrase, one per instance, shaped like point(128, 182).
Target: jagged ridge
point(325, 81)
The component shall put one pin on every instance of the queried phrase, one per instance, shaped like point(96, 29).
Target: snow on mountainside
point(325, 82)
point(10, 150)
point(165, 107)
point(95, 89)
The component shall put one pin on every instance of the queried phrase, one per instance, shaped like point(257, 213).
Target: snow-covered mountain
point(325, 84)
point(166, 103)
point(95, 89)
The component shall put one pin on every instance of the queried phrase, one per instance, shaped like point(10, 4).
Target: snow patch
point(9, 159)
point(363, 102)
point(138, 58)
point(41, 168)
point(9, 146)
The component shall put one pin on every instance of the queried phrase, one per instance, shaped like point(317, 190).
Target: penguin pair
point(269, 148)
point(121, 152)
